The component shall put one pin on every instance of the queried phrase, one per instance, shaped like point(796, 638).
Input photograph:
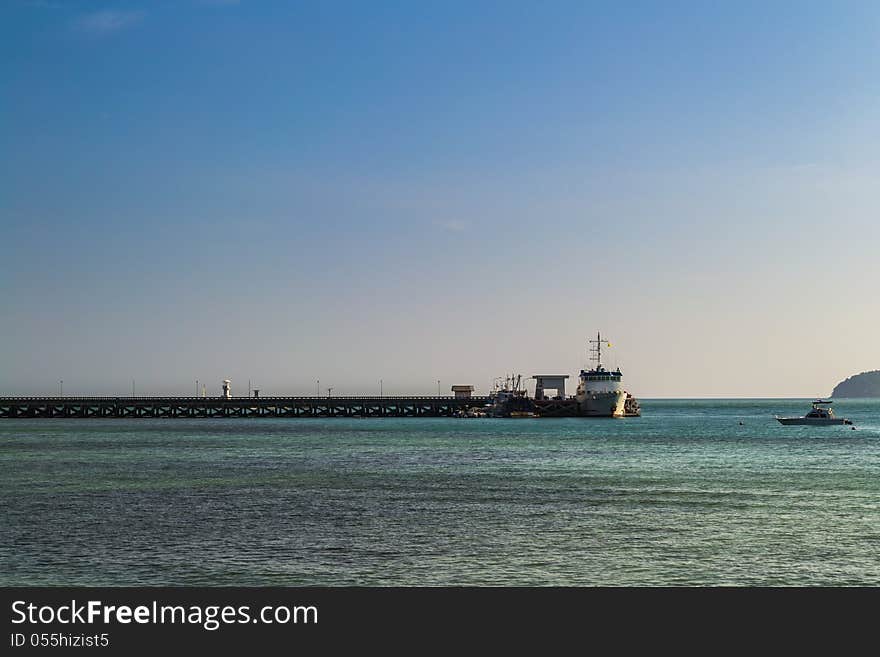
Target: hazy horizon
point(352, 192)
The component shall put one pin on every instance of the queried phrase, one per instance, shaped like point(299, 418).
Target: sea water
point(708, 492)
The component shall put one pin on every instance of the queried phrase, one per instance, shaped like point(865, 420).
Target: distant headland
point(866, 384)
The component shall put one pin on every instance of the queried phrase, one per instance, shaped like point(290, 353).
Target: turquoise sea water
point(684, 495)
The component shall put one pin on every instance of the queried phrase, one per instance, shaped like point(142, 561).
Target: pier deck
point(214, 407)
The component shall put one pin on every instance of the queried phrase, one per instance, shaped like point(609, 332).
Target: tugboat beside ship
point(509, 398)
point(631, 407)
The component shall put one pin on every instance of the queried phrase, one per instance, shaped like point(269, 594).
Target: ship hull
point(603, 404)
point(812, 421)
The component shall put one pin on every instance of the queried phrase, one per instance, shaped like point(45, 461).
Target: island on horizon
point(866, 384)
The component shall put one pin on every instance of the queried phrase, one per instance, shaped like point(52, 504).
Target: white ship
point(600, 392)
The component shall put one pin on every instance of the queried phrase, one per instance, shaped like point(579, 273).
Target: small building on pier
point(463, 392)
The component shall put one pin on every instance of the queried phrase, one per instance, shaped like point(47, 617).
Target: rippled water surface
point(683, 495)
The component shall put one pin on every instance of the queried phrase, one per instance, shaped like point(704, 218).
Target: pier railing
point(207, 407)
point(68, 398)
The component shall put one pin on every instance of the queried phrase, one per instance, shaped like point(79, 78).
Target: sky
point(348, 192)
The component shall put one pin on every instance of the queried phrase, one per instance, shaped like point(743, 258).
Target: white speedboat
point(820, 414)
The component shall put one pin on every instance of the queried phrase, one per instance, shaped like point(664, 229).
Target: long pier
point(217, 407)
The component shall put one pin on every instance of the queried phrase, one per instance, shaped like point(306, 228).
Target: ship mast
point(597, 350)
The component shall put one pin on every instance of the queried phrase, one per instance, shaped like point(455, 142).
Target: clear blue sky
point(349, 191)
